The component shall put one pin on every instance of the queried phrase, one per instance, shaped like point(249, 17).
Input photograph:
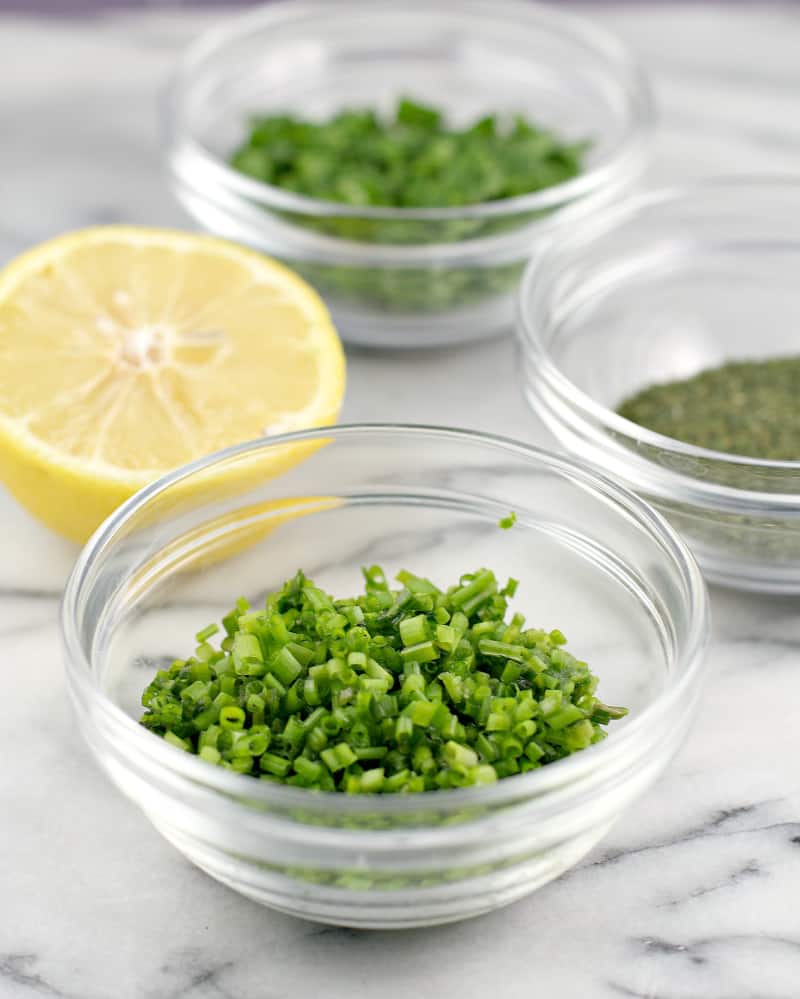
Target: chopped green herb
point(409, 159)
point(507, 522)
point(412, 689)
point(748, 408)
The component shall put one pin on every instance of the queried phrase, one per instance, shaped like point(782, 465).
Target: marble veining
point(693, 895)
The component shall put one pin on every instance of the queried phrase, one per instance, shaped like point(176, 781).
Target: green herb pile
point(410, 160)
point(747, 408)
point(411, 689)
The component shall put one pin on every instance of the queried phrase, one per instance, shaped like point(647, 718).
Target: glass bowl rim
point(627, 153)
point(534, 286)
point(561, 773)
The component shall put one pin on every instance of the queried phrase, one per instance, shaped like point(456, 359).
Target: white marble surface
point(696, 895)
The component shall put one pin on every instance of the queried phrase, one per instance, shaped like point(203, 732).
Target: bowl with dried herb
point(363, 691)
point(407, 161)
point(661, 342)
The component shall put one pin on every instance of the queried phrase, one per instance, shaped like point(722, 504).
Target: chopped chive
point(247, 655)
point(416, 583)
point(276, 765)
point(175, 740)
point(338, 757)
point(414, 630)
point(420, 712)
point(372, 780)
point(232, 717)
point(285, 666)
point(460, 757)
point(422, 652)
point(309, 769)
point(406, 691)
point(480, 581)
point(209, 754)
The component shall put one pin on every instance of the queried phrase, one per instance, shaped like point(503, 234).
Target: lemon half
point(126, 351)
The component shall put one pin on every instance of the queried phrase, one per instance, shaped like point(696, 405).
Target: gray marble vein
point(693, 895)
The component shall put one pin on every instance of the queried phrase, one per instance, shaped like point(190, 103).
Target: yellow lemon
point(127, 351)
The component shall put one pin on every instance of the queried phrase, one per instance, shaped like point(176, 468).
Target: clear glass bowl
point(396, 276)
point(658, 289)
point(591, 558)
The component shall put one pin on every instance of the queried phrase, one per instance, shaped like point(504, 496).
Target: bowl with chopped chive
point(406, 159)
point(411, 678)
point(661, 342)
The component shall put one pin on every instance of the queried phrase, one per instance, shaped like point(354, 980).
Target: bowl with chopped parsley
point(406, 159)
point(405, 677)
point(661, 343)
